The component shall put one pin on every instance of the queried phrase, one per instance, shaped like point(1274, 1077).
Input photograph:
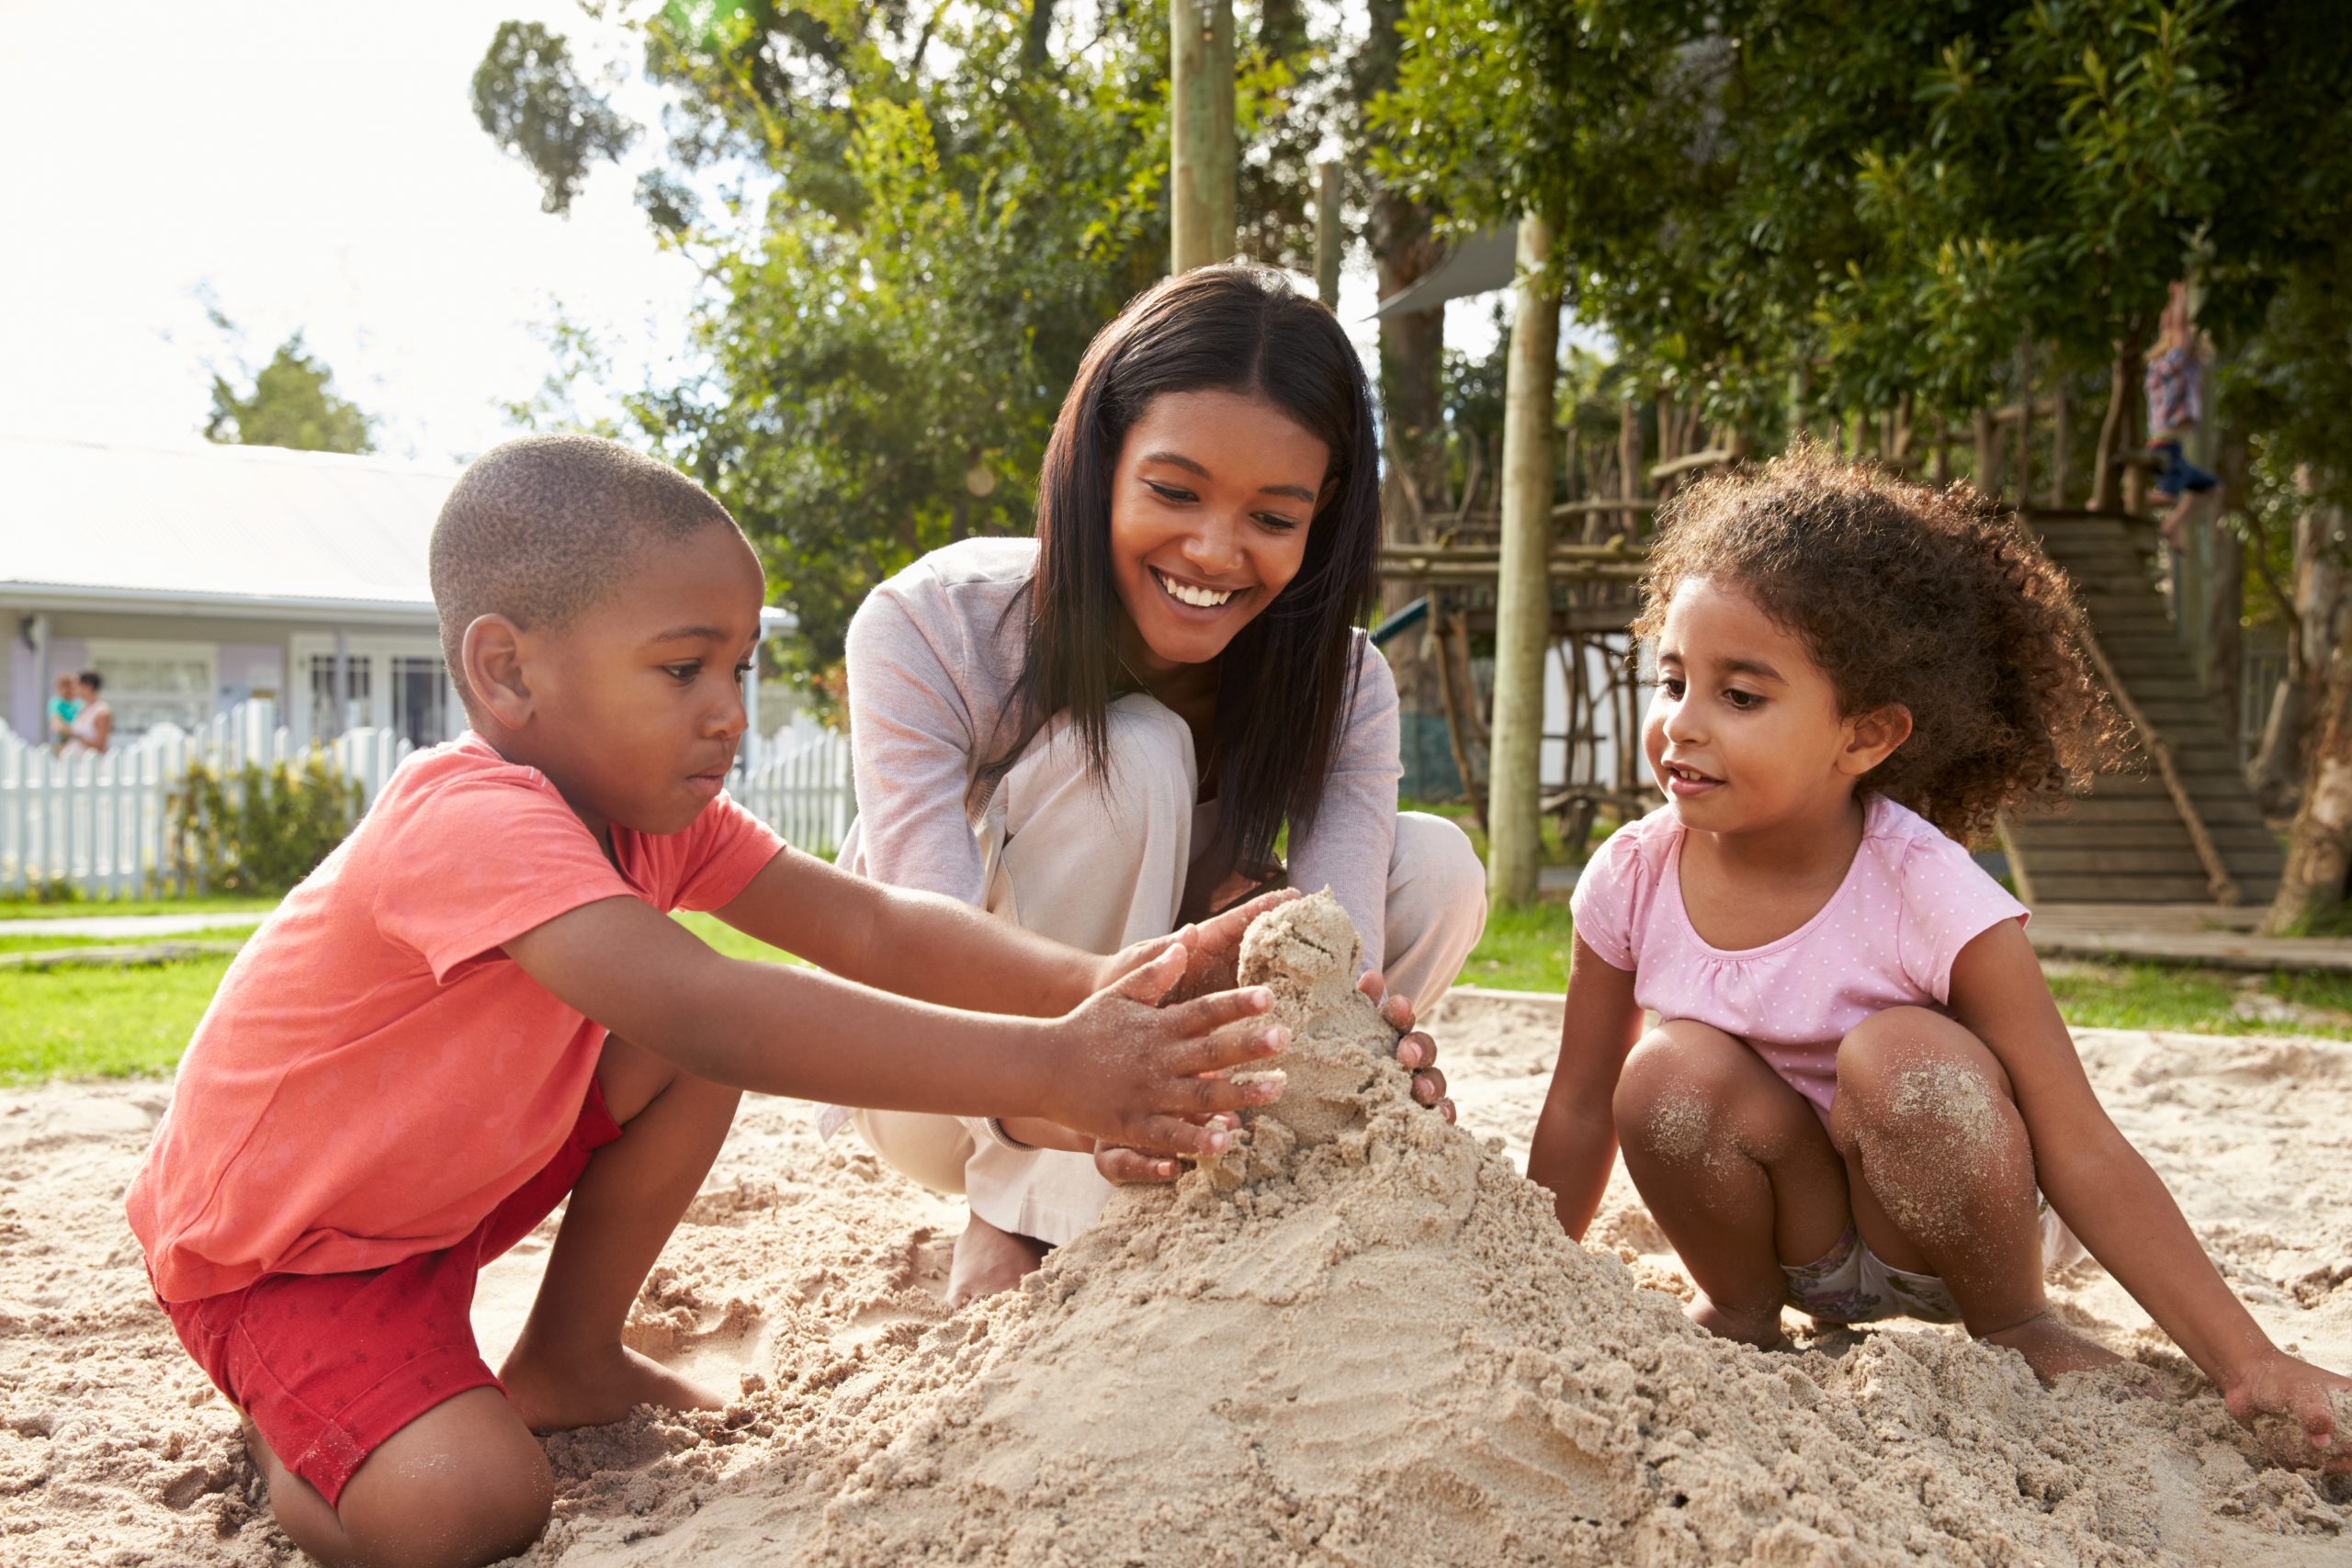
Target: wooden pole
point(1524, 594)
point(2058, 437)
point(1330, 233)
point(2024, 422)
point(1205, 159)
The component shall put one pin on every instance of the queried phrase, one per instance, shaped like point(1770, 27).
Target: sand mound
point(1375, 1349)
point(1364, 1338)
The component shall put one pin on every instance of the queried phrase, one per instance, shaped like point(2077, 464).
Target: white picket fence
point(100, 824)
point(798, 781)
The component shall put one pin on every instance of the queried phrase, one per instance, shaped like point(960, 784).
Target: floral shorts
point(1849, 1283)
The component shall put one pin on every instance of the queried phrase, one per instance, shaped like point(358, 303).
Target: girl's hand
point(2302, 1414)
point(1415, 1052)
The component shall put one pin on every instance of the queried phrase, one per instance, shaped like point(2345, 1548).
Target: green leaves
point(291, 403)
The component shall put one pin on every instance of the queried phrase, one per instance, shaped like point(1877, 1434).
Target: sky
point(317, 167)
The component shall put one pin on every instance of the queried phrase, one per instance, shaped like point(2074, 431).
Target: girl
point(1859, 1098)
point(1102, 732)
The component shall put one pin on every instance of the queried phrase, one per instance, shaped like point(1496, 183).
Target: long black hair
point(1286, 679)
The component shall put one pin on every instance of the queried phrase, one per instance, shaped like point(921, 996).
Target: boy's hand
point(2286, 1403)
point(1416, 1052)
point(1128, 1067)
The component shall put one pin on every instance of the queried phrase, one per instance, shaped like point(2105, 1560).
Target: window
point(326, 723)
point(148, 683)
point(419, 699)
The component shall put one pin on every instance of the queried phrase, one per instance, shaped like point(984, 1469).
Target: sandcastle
point(1363, 1337)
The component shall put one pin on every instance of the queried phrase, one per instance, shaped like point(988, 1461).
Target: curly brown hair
point(1938, 600)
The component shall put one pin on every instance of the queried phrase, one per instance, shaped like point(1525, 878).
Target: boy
point(62, 708)
point(409, 1065)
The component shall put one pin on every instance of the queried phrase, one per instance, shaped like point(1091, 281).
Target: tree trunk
point(1205, 179)
point(1523, 587)
point(1041, 26)
point(2277, 773)
point(2123, 390)
point(1330, 233)
point(2319, 849)
point(1988, 454)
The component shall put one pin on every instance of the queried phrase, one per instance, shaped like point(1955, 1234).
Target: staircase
point(2131, 841)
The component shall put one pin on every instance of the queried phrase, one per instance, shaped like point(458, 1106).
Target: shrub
point(258, 829)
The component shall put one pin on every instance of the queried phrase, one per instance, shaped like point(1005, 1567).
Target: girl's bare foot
point(1764, 1333)
point(2052, 1348)
point(988, 1260)
point(554, 1392)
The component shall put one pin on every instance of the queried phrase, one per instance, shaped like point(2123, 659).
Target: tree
point(912, 222)
point(291, 403)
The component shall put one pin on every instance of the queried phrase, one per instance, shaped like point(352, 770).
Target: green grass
point(10, 942)
point(1554, 851)
point(101, 1022)
point(126, 1022)
point(77, 908)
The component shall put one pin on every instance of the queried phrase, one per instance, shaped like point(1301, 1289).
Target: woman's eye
point(1276, 522)
point(1169, 492)
point(742, 671)
point(681, 671)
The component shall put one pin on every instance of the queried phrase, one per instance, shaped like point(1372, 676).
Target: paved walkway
point(119, 927)
point(2209, 935)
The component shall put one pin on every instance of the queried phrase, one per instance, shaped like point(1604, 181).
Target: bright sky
point(314, 166)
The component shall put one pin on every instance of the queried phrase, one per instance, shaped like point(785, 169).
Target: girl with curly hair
point(1859, 1098)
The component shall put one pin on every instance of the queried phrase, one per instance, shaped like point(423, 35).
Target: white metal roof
point(234, 529)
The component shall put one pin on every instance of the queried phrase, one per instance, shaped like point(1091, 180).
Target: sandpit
point(1368, 1343)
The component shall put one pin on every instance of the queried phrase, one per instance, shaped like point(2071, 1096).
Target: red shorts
point(328, 1366)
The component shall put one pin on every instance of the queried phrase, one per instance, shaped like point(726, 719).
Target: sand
point(1363, 1347)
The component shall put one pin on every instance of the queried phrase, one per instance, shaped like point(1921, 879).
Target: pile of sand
point(1367, 1343)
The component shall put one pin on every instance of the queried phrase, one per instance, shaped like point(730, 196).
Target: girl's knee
point(1914, 1076)
point(464, 1484)
point(1679, 1073)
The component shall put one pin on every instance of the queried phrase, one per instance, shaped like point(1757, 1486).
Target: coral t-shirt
point(1887, 938)
point(375, 1075)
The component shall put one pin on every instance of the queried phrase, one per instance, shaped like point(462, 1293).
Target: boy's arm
point(917, 945)
point(1118, 1066)
point(1575, 1138)
point(940, 950)
point(2111, 1198)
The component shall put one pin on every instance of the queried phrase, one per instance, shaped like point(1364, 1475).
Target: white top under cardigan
point(932, 657)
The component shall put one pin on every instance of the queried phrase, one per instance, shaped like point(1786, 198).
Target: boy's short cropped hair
point(538, 528)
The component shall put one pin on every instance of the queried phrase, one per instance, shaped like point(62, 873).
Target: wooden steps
point(2127, 842)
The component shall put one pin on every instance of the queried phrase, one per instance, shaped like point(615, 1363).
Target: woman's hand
point(1213, 947)
point(1415, 1052)
point(2302, 1414)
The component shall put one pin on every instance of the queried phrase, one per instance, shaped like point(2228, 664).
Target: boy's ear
point(491, 651)
point(1872, 737)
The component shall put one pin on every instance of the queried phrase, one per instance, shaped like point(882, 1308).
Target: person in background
point(2176, 387)
point(91, 731)
point(61, 709)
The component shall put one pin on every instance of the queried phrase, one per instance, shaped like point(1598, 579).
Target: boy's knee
point(471, 1488)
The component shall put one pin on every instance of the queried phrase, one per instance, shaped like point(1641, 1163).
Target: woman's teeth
point(1185, 593)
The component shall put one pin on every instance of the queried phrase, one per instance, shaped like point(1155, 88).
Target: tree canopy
point(292, 402)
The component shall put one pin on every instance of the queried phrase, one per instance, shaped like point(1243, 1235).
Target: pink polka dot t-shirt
point(1911, 900)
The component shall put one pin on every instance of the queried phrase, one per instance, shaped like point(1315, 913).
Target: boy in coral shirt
point(479, 1005)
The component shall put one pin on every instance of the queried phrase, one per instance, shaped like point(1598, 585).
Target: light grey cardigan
point(932, 657)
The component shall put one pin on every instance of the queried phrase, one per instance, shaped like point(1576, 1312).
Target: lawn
point(87, 1022)
point(78, 909)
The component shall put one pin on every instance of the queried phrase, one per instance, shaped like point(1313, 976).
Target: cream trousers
point(1101, 865)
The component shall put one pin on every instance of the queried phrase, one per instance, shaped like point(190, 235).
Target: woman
point(92, 730)
point(1102, 732)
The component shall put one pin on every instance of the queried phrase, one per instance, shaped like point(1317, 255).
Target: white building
point(193, 578)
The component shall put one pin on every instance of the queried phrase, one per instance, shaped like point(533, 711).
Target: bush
point(259, 829)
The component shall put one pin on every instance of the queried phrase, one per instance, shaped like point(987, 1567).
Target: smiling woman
point(1105, 731)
